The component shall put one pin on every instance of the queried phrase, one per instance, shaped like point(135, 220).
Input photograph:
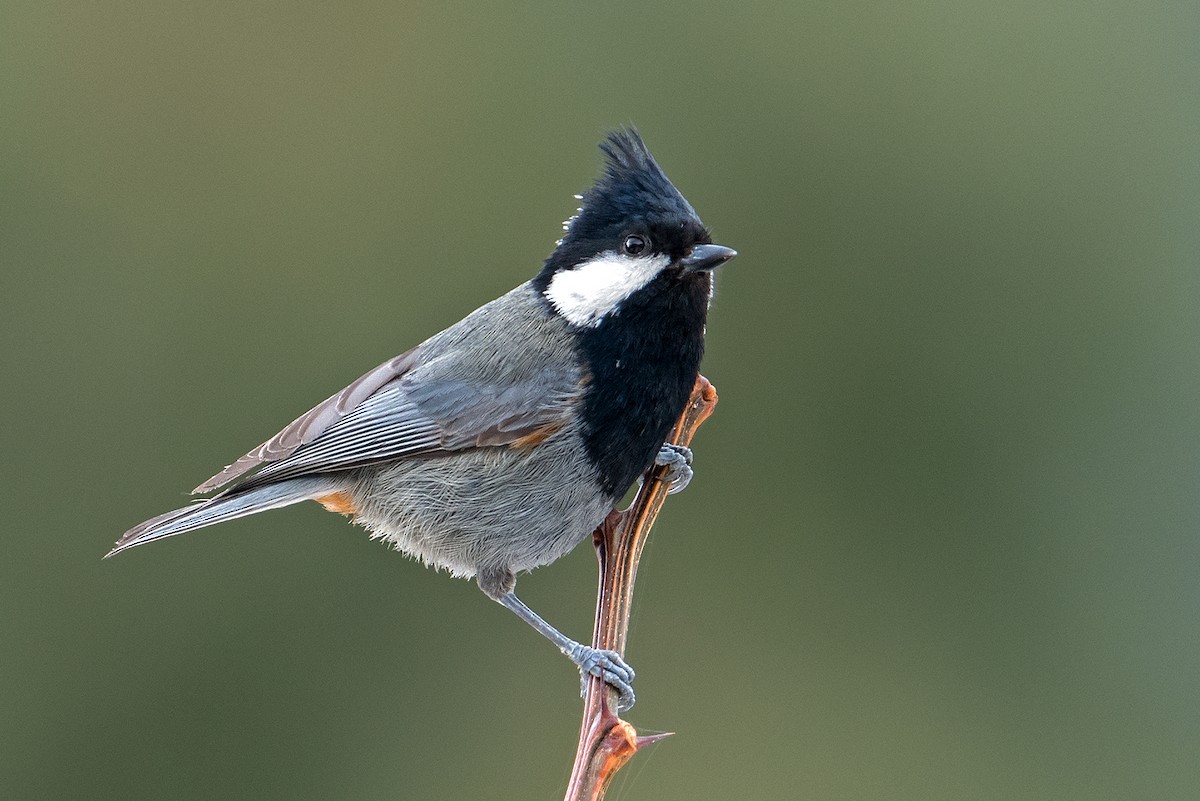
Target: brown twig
point(605, 741)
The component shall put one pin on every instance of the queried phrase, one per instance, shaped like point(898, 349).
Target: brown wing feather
point(412, 416)
point(311, 424)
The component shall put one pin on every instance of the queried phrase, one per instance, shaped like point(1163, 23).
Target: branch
point(605, 741)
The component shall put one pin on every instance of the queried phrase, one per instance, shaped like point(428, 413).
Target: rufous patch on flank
point(339, 502)
point(538, 435)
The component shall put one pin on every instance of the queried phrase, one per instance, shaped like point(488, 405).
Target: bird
point(497, 445)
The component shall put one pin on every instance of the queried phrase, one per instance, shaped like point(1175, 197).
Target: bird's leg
point(606, 665)
point(603, 664)
point(678, 461)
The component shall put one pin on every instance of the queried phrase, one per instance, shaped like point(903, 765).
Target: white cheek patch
point(594, 289)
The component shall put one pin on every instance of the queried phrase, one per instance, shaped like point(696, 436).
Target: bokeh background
point(943, 540)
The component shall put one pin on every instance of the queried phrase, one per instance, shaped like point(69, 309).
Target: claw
point(678, 461)
point(607, 666)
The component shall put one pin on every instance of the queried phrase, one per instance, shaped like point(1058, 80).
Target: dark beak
point(706, 257)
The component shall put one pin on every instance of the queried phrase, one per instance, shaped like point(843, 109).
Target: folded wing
point(397, 411)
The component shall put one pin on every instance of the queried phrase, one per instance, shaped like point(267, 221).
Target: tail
point(225, 507)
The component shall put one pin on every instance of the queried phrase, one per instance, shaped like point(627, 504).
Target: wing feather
point(310, 425)
point(466, 387)
point(410, 416)
point(388, 425)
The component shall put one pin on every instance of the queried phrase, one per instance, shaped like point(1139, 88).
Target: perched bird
point(497, 445)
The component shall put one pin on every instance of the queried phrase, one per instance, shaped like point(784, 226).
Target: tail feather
point(223, 508)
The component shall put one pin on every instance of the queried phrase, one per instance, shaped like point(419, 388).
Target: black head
point(633, 229)
point(632, 276)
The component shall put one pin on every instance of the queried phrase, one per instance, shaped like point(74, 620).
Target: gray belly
point(485, 508)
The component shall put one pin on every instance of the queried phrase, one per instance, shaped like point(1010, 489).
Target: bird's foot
point(678, 461)
point(605, 665)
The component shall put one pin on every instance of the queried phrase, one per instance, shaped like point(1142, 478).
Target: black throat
point(644, 360)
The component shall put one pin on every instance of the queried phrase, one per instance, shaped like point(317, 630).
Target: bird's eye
point(634, 244)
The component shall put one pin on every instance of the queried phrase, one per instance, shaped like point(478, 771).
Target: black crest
point(633, 184)
point(632, 194)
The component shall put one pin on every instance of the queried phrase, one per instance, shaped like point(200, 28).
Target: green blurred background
point(942, 543)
